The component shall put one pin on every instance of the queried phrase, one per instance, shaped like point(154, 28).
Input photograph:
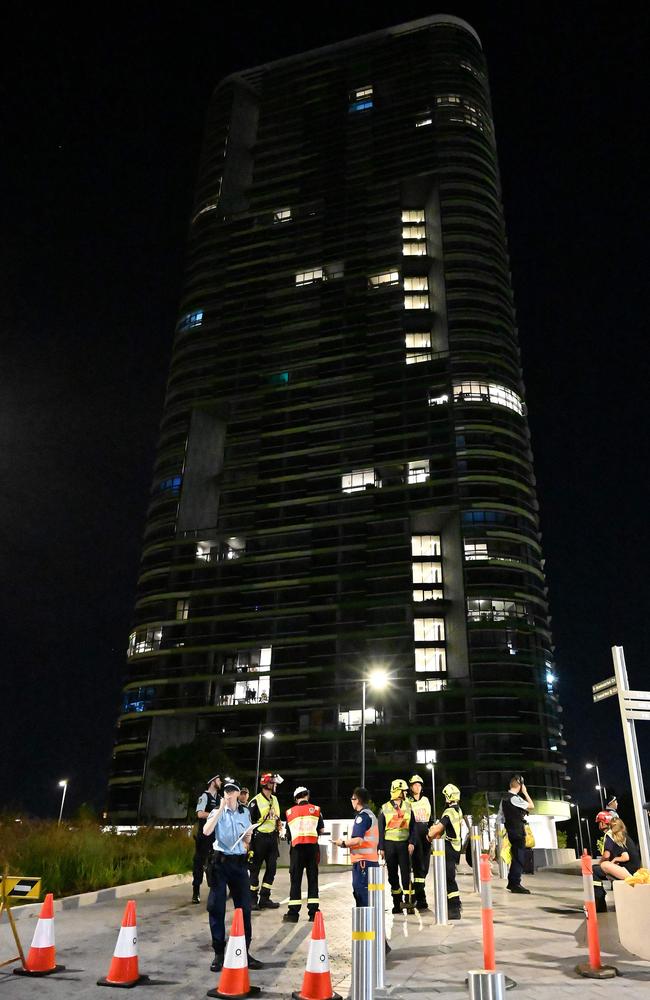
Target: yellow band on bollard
point(437, 854)
point(363, 935)
point(476, 836)
point(375, 885)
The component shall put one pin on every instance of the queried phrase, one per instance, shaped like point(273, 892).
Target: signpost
point(634, 706)
point(14, 887)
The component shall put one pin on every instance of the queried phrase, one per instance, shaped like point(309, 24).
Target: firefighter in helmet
point(265, 813)
point(421, 855)
point(603, 822)
point(304, 825)
point(397, 842)
point(448, 829)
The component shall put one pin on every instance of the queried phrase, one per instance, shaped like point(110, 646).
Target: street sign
point(22, 887)
point(601, 685)
point(607, 693)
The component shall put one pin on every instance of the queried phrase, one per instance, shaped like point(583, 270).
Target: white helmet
point(300, 791)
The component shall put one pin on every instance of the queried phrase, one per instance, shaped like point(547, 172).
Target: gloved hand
point(250, 856)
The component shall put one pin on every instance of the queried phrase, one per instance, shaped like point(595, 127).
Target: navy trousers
point(228, 872)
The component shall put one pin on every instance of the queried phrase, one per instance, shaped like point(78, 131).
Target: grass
point(82, 858)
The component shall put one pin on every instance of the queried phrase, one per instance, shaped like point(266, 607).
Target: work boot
point(217, 962)
point(312, 915)
point(255, 905)
point(454, 913)
point(421, 905)
point(291, 917)
point(195, 896)
point(601, 903)
point(397, 907)
point(254, 963)
point(268, 904)
point(519, 890)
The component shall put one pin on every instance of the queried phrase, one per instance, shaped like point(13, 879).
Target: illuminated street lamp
point(574, 805)
point(431, 764)
point(64, 785)
point(600, 787)
point(378, 679)
point(268, 734)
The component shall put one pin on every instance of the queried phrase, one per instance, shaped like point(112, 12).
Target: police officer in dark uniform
point(208, 800)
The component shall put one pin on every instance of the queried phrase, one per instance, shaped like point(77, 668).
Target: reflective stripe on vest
point(302, 821)
point(398, 819)
point(421, 809)
point(367, 850)
point(269, 812)
point(455, 815)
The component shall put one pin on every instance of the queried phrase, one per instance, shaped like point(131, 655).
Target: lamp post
point(378, 680)
point(64, 785)
point(268, 734)
point(431, 764)
point(574, 805)
point(591, 850)
point(599, 786)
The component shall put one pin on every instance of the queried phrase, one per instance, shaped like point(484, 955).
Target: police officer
point(449, 829)
point(208, 800)
point(421, 855)
point(265, 812)
point(304, 825)
point(227, 869)
point(396, 825)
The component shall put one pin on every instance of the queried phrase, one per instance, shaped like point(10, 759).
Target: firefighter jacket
point(395, 821)
point(304, 823)
point(268, 811)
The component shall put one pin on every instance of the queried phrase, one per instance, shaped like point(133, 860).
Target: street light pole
point(580, 840)
point(268, 735)
point(64, 785)
point(363, 733)
point(599, 786)
point(432, 764)
point(591, 850)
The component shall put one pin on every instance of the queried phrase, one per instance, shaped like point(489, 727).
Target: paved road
point(535, 935)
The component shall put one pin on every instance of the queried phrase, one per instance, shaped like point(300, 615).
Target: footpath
point(539, 941)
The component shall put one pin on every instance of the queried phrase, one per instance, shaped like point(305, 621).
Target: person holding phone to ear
point(515, 806)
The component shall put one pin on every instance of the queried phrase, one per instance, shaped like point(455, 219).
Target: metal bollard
point(439, 884)
point(503, 867)
point(376, 890)
point(475, 841)
point(363, 946)
point(593, 969)
point(487, 983)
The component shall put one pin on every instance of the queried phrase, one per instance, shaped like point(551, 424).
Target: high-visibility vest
point(398, 819)
point(269, 812)
point(455, 815)
point(367, 849)
point(421, 809)
point(302, 821)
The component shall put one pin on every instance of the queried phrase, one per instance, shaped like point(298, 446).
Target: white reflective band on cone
point(236, 957)
point(127, 943)
point(318, 959)
point(44, 934)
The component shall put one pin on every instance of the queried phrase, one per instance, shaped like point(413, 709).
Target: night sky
point(102, 122)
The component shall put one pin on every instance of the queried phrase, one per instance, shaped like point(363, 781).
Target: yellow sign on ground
point(23, 887)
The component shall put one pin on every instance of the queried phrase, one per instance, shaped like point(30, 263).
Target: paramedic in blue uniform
point(230, 826)
point(362, 845)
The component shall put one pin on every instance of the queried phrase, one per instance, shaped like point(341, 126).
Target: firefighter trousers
point(420, 860)
point(303, 858)
point(397, 865)
point(265, 852)
point(452, 858)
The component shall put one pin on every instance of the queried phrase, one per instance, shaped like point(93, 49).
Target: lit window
point(414, 358)
point(427, 595)
point(282, 215)
point(425, 545)
point(173, 484)
point(279, 378)
point(424, 120)
point(418, 472)
point(417, 340)
point(428, 629)
point(413, 215)
point(309, 277)
point(360, 106)
point(419, 284)
point(416, 301)
point(204, 551)
point(359, 479)
point(430, 660)
point(361, 92)
point(144, 641)
point(438, 400)
point(206, 208)
point(425, 756)
point(414, 233)
point(258, 660)
point(190, 320)
point(352, 719)
point(471, 69)
point(476, 550)
point(430, 684)
point(494, 610)
point(182, 609)
point(252, 691)
point(488, 392)
point(361, 98)
point(447, 99)
point(427, 572)
point(386, 278)
point(414, 249)
point(138, 699)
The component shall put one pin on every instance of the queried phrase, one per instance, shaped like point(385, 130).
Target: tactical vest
point(269, 811)
point(398, 819)
point(421, 809)
point(212, 803)
point(302, 821)
point(367, 849)
point(455, 815)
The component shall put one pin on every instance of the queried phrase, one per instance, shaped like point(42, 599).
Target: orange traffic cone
point(234, 981)
point(41, 960)
point(124, 972)
point(317, 982)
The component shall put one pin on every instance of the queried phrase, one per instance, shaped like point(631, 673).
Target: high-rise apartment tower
point(344, 478)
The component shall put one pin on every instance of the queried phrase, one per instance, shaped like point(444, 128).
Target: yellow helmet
point(416, 777)
point(451, 793)
point(398, 785)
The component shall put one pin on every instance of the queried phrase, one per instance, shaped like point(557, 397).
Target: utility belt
point(218, 857)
